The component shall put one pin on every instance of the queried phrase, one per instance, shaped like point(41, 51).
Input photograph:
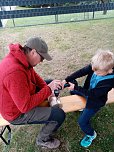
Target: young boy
point(99, 81)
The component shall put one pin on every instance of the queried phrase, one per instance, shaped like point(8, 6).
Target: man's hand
point(63, 83)
point(55, 85)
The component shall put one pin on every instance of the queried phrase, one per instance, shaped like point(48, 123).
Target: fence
point(56, 7)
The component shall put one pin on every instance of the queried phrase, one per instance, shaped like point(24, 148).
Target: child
point(99, 81)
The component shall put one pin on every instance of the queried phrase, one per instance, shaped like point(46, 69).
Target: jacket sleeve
point(39, 81)
point(95, 92)
point(79, 73)
point(17, 85)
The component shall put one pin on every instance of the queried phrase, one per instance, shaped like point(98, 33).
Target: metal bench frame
point(4, 128)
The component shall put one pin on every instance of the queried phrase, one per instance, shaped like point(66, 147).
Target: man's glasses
point(42, 58)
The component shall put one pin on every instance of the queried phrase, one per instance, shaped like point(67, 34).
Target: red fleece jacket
point(18, 84)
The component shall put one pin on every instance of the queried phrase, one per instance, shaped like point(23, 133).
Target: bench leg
point(9, 134)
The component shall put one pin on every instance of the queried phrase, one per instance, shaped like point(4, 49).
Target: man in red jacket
point(22, 90)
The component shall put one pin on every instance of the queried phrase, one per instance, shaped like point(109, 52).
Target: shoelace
point(49, 140)
point(87, 138)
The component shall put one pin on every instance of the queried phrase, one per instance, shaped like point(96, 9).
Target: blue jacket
point(97, 96)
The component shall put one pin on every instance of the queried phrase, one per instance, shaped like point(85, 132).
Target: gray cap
point(40, 46)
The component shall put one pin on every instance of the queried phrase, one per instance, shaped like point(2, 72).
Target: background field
point(71, 46)
point(61, 18)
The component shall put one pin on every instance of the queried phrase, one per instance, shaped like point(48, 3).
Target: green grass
point(71, 46)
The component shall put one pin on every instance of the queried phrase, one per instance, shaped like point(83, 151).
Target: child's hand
point(71, 87)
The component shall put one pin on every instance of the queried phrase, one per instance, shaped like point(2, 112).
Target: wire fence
point(33, 12)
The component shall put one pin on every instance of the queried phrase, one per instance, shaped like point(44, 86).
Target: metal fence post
point(0, 18)
point(56, 15)
point(0, 23)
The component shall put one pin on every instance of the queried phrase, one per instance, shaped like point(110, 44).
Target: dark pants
point(52, 117)
point(84, 121)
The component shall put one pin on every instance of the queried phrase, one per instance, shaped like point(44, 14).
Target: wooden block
point(72, 103)
point(75, 102)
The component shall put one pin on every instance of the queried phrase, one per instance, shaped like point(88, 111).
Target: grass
point(71, 46)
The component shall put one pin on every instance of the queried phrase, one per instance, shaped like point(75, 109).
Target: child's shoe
point(87, 140)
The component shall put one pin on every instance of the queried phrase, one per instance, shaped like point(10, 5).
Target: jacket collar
point(17, 51)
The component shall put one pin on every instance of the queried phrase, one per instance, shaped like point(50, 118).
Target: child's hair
point(103, 61)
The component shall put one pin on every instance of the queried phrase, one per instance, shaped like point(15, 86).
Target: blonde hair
point(102, 61)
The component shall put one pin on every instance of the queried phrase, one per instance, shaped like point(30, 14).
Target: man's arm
point(19, 89)
point(38, 80)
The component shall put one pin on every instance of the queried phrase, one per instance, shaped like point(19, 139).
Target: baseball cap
point(40, 46)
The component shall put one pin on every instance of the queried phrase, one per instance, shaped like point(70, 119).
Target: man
point(22, 90)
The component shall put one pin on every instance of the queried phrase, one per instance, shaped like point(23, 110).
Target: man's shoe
point(52, 143)
point(87, 140)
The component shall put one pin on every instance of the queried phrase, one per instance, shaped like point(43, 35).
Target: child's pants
point(84, 120)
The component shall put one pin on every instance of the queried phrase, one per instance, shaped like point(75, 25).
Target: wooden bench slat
point(110, 97)
point(3, 122)
point(72, 103)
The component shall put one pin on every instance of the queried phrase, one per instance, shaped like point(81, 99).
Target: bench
point(68, 104)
